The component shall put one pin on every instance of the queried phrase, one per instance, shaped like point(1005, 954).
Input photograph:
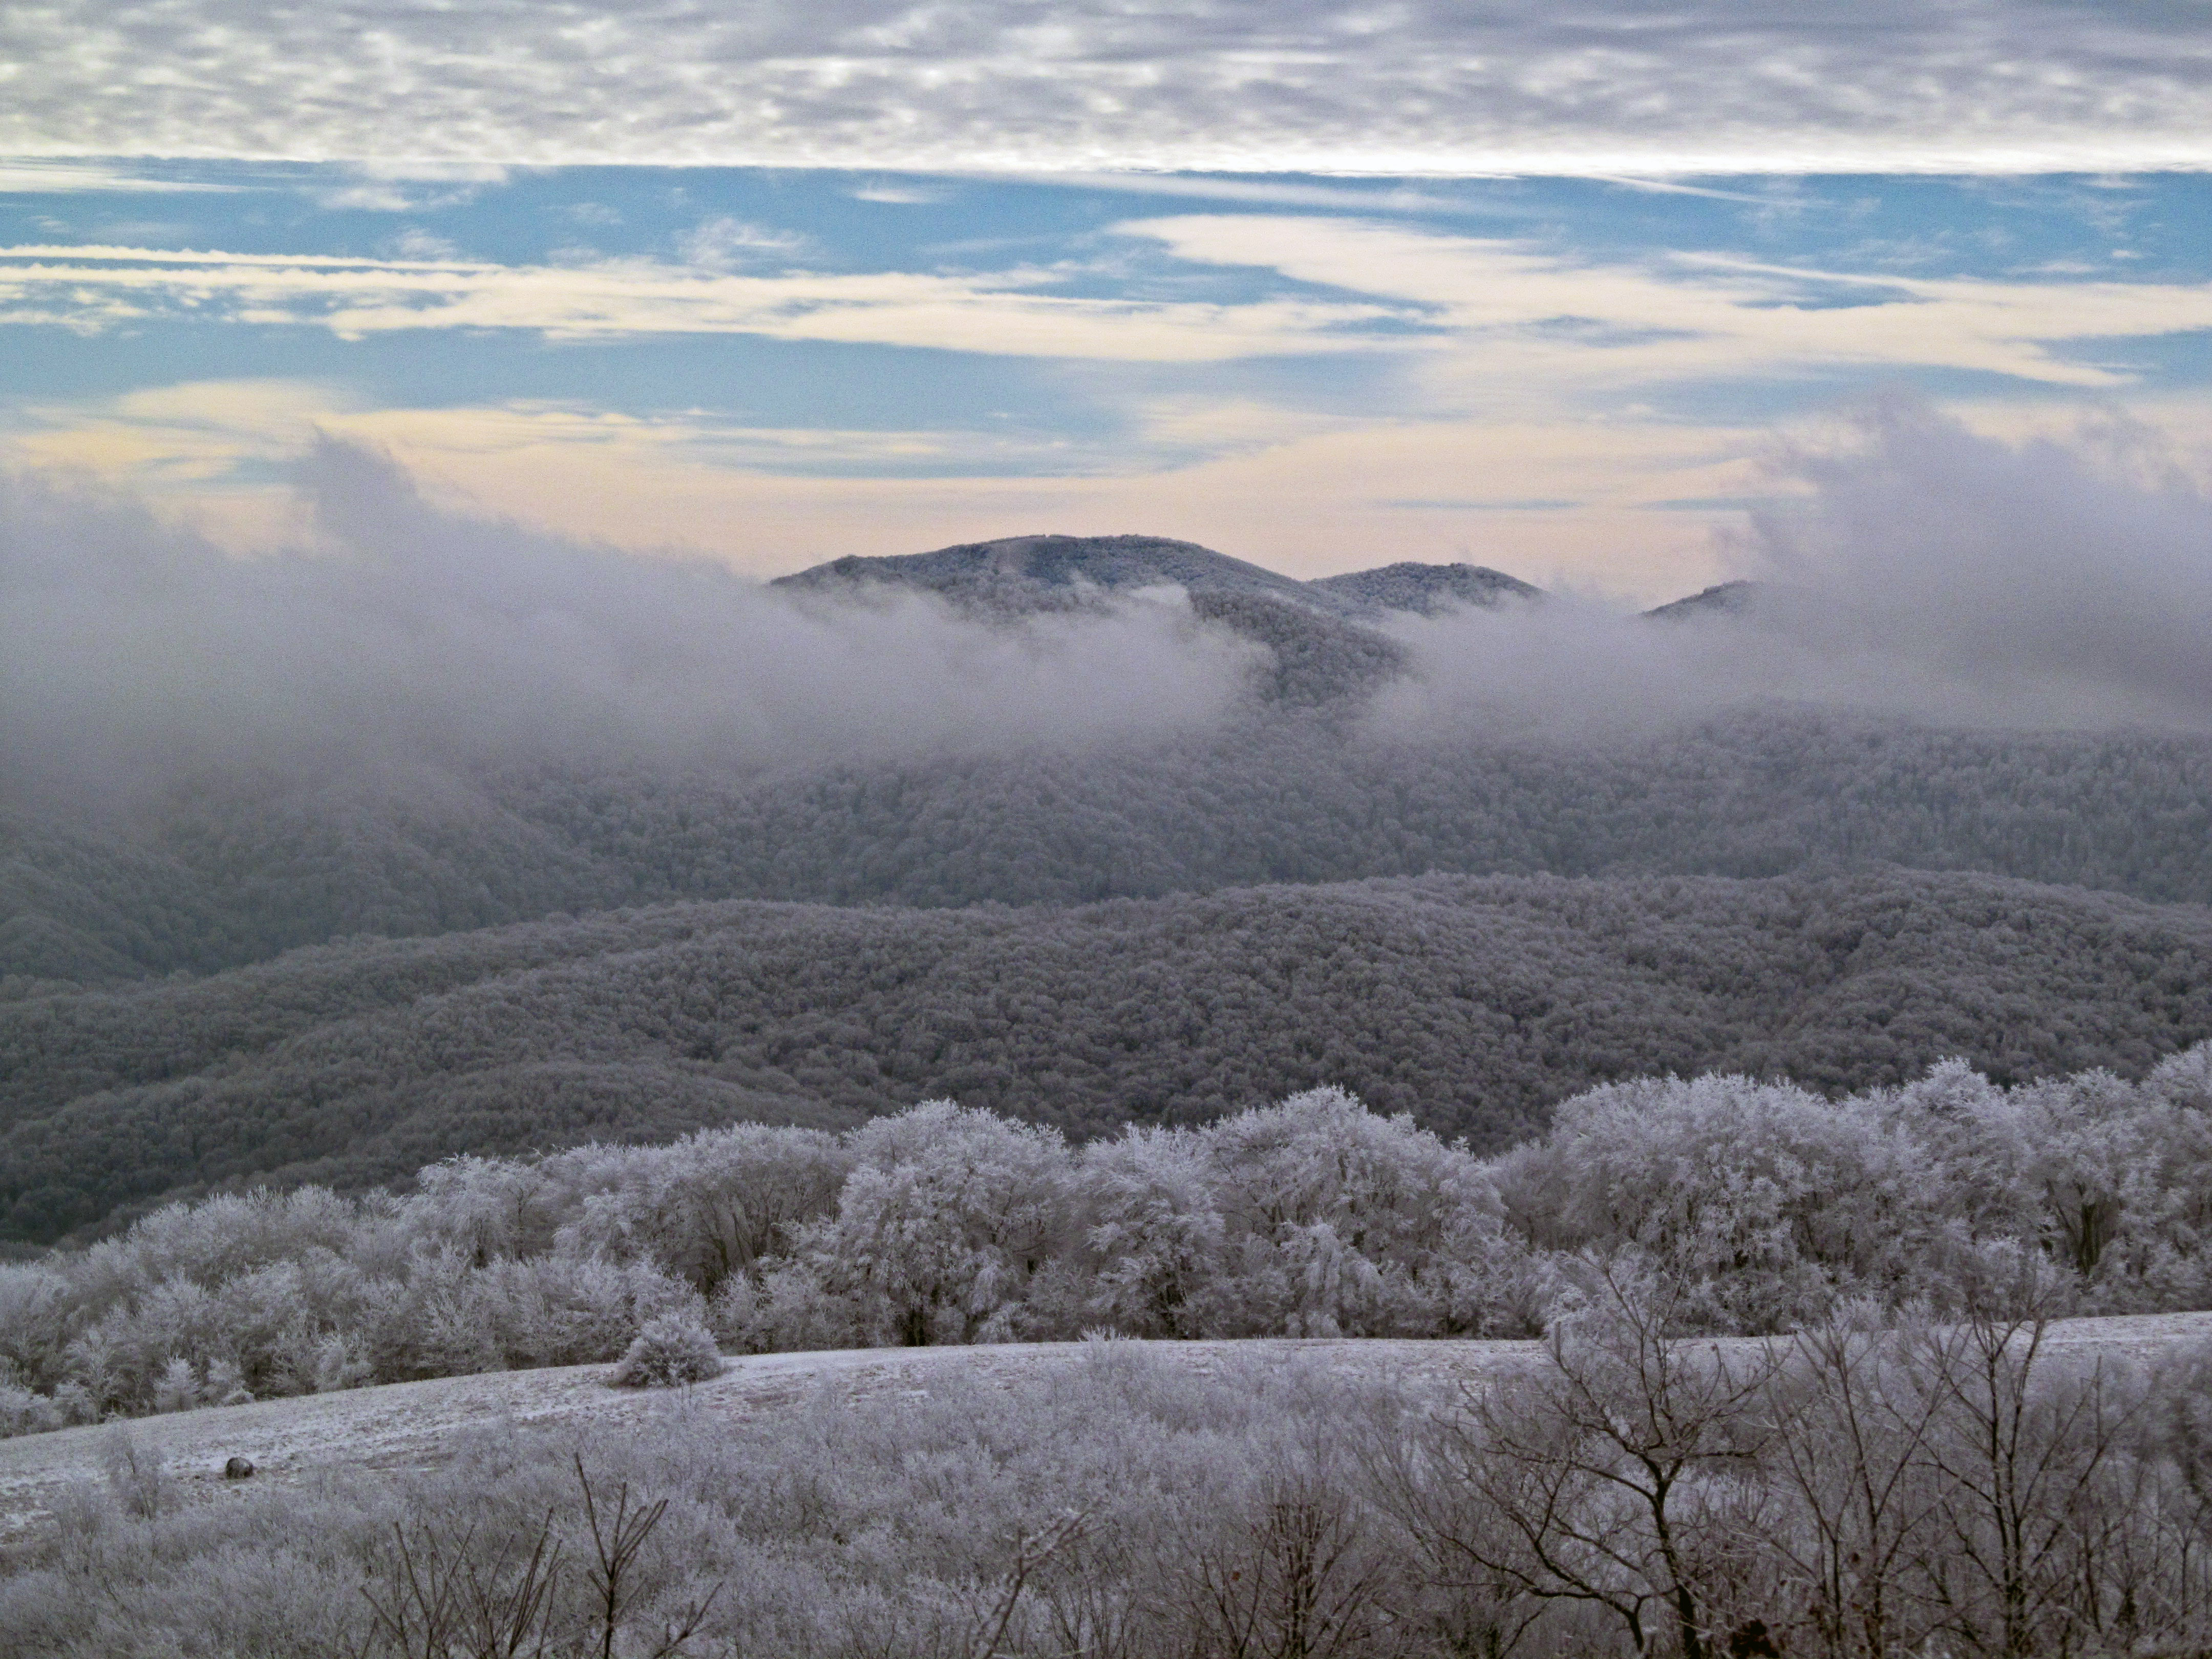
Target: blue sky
point(956, 308)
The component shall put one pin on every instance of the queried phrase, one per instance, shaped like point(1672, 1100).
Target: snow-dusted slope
point(420, 1425)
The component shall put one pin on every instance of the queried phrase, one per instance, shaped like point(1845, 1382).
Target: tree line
point(1759, 1208)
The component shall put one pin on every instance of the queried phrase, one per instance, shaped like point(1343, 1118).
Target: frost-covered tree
point(708, 1207)
point(1340, 1222)
point(1152, 1231)
point(948, 1214)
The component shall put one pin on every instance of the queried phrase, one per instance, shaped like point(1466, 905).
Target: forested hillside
point(226, 877)
point(1472, 1004)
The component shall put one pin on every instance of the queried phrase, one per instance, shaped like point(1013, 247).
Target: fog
point(400, 637)
point(1923, 572)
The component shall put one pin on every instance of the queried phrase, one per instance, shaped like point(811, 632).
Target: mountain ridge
point(1053, 571)
point(1473, 1002)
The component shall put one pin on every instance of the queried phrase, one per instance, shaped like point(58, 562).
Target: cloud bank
point(1517, 313)
point(133, 657)
point(1929, 573)
point(1428, 86)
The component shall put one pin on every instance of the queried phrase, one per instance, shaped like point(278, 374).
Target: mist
point(1925, 573)
point(400, 637)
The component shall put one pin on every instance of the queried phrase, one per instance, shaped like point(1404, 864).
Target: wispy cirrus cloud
point(37, 176)
point(1509, 314)
point(1506, 311)
point(1585, 87)
point(1009, 313)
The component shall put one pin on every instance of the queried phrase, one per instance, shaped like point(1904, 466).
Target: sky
point(1565, 290)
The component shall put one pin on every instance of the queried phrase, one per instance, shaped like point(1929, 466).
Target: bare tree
point(1033, 1552)
point(617, 1536)
point(1851, 1427)
point(1600, 1477)
point(433, 1597)
point(1095, 1599)
point(1297, 1578)
point(2021, 1465)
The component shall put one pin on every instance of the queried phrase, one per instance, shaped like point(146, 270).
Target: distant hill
point(1722, 599)
point(1321, 656)
point(1021, 573)
point(1027, 573)
point(229, 879)
point(1424, 589)
point(1039, 572)
point(1472, 1003)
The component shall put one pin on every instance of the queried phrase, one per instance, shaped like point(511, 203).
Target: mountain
point(1319, 657)
point(227, 878)
point(1019, 573)
point(1024, 573)
point(1424, 589)
point(1028, 572)
point(1472, 1003)
point(1722, 599)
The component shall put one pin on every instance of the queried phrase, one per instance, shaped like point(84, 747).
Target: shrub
point(178, 1387)
point(22, 1411)
point(672, 1349)
point(137, 1474)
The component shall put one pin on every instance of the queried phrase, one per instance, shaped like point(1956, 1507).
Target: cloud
point(1590, 87)
point(1009, 313)
point(404, 636)
point(1298, 492)
point(192, 434)
point(1264, 193)
point(417, 243)
point(1488, 314)
point(29, 176)
point(1928, 573)
point(1520, 316)
point(384, 187)
point(1924, 571)
point(904, 193)
point(723, 243)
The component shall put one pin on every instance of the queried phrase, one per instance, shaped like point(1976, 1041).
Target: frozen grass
point(1110, 1497)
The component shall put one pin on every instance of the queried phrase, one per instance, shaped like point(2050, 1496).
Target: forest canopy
point(1472, 1004)
point(224, 878)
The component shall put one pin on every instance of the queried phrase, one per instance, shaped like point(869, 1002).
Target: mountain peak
point(1055, 572)
point(1046, 571)
point(1424, 589)
point(1722, 599)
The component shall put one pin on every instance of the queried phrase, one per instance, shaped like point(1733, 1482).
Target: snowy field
point(417, 1425)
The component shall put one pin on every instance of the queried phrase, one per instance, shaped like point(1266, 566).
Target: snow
point(416, 1425)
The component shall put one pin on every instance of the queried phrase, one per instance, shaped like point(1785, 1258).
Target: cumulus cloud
point(404, 636)
point(1928, 573)
point(1427, 86)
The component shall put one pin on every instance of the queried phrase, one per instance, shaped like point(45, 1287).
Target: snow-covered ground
point(410, 1426)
